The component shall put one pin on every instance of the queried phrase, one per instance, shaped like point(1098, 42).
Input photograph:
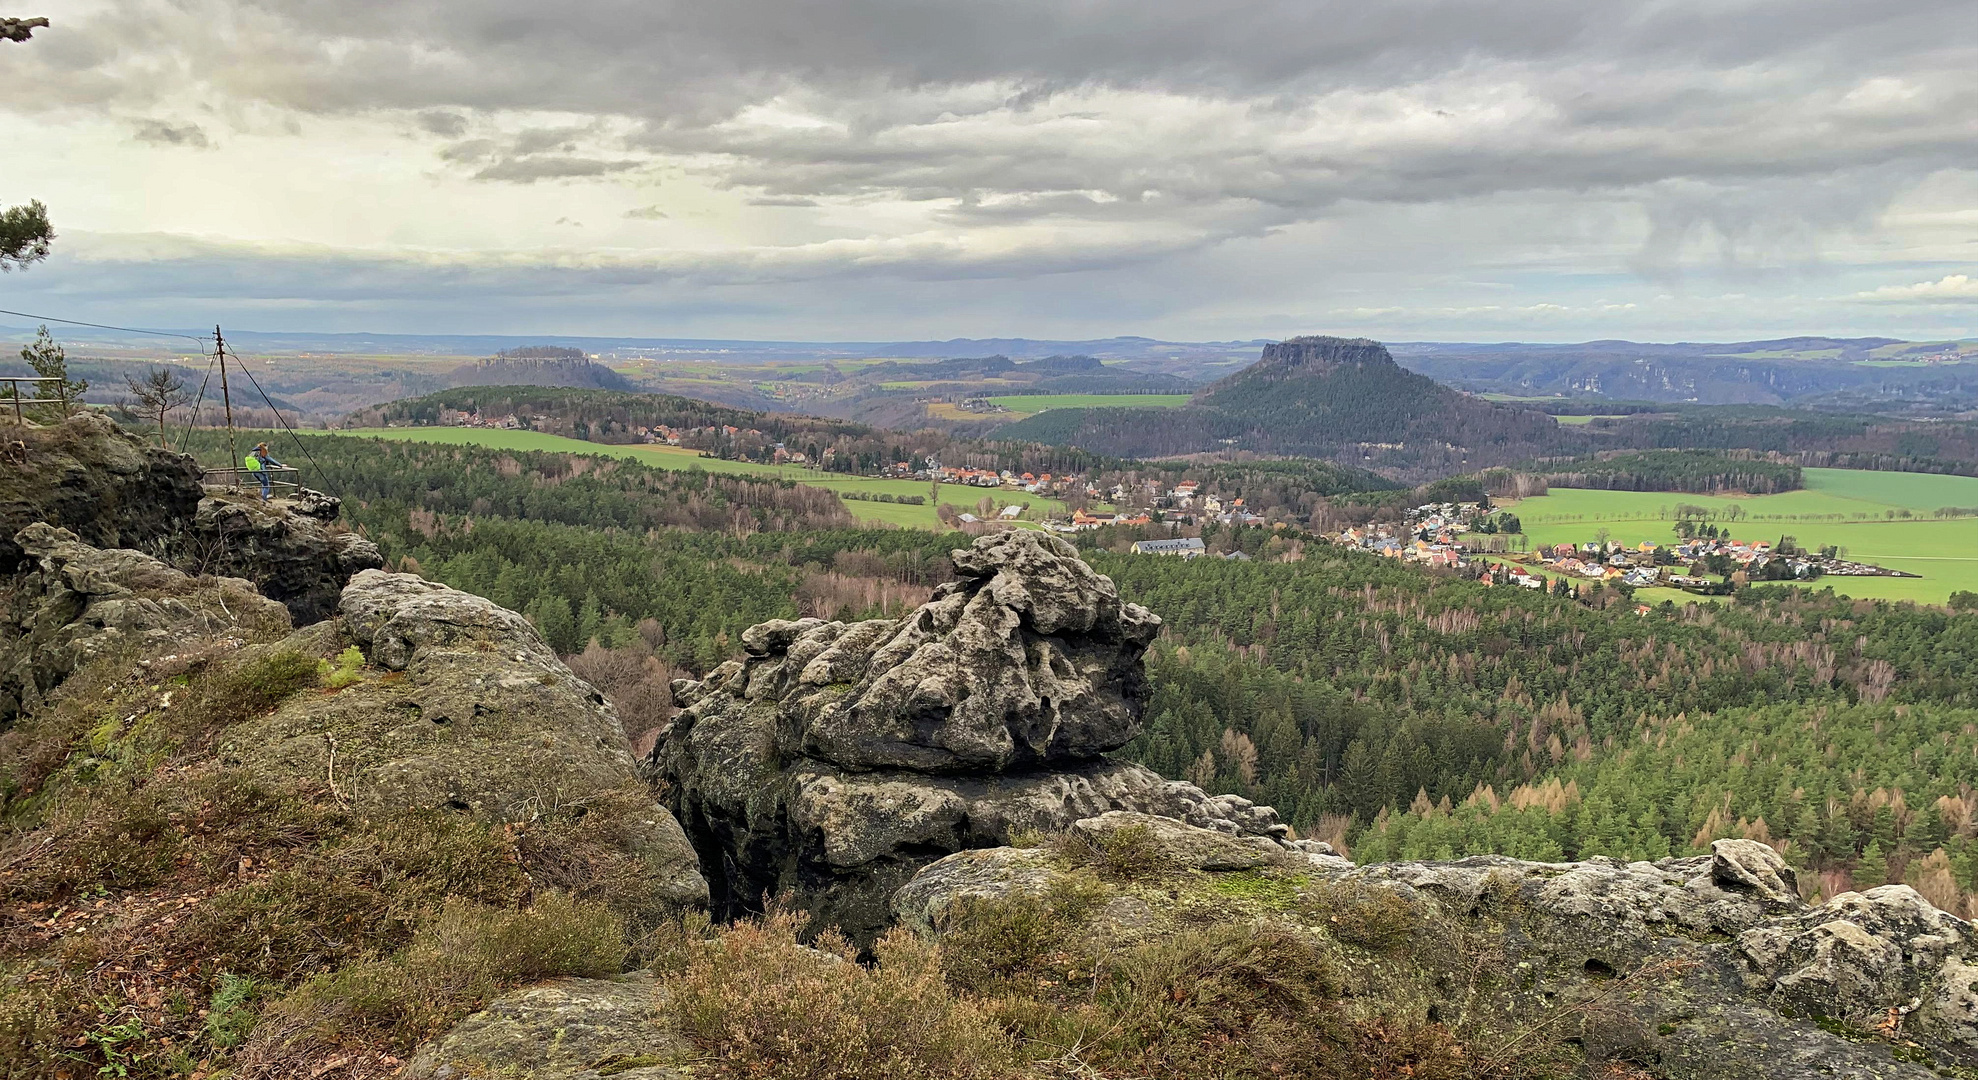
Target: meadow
point(1031, 404)
point(1581, 421)
point(1861, 512)
point(674, 457)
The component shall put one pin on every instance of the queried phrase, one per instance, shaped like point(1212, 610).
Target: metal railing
point(234, 479)
point(16, 400)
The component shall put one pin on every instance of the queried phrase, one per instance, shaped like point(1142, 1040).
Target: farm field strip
point(1030, 404)
point(674, 457)
point(1847, 508)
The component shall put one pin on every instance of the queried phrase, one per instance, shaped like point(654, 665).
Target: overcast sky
point(887, 169)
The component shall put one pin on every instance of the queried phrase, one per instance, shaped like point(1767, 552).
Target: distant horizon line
point(868, 345)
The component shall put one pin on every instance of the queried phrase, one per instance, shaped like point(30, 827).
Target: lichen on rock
point(69, 603)
point(835, 759)
point(469, 712)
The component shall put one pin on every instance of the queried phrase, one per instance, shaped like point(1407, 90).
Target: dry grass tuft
point(762, 1006)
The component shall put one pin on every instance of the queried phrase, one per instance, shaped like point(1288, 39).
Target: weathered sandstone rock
point(286, 547)
point(568, 1029)
point(70, 603)
point(106, 486)
point(473, 714)
point(1729, 974)
point(836, 759)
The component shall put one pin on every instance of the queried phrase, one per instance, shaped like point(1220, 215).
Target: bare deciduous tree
point(154, 397)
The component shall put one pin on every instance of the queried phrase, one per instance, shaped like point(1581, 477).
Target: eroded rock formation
point(287, 547)
point(114, 490)
point(70, 602)
point(836, 759)
point(86, 475)
point(1702, 968)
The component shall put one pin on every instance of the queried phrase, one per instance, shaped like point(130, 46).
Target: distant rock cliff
point(1315, 354)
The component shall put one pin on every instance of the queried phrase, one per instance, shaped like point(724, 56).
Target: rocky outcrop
point(72, 602)
point(569, 1029)
point(836, 759)
point(113, 490)
point(88, 476)
point(287, 547)
point(1319, 353)
point(469, 712)
point(1702, 968)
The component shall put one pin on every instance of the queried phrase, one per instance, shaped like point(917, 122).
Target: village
point(1472, 538)
point(1447, 534)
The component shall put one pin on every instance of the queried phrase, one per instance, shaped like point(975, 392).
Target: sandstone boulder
point(287, 547)
point(836, 759)
point(568, 1029)
point(107, 487)
point(70, 603)
point(1697, 968)
point(463, 708)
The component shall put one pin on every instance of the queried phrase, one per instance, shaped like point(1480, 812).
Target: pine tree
point(50, 362)
point(1872, 869)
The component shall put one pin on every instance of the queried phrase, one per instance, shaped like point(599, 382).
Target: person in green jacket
point(259, 463)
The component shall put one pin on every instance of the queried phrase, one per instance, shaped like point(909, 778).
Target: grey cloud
point(540, 140)
point(443, 122)
point(528, 170)
point(468, 152)
point(647, 213)
point(163, 133)
point(1157, 128)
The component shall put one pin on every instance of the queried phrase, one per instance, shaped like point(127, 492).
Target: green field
point(1849, 508)
point(1576, 421)
point(673, 457)
point(1031, 404)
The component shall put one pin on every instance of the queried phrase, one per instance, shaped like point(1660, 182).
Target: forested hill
point(1329, 398)
point(604, 416)
point(1702, 472)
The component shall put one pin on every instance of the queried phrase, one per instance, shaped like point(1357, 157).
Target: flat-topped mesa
point(1319, 353)
point(836, 759)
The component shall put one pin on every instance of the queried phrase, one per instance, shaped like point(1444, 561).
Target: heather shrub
point(454, 965)
point(1122, 855)
point(761, 1006)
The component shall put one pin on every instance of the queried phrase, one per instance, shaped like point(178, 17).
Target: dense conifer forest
point(1702, 472)
point(1396, 711)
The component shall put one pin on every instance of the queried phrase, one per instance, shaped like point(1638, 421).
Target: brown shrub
point(1368, 916)
point(762, 1006)
point(1127, 854)
point(455, 963)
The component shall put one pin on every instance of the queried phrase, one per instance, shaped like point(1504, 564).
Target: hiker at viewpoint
point(259, 463)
